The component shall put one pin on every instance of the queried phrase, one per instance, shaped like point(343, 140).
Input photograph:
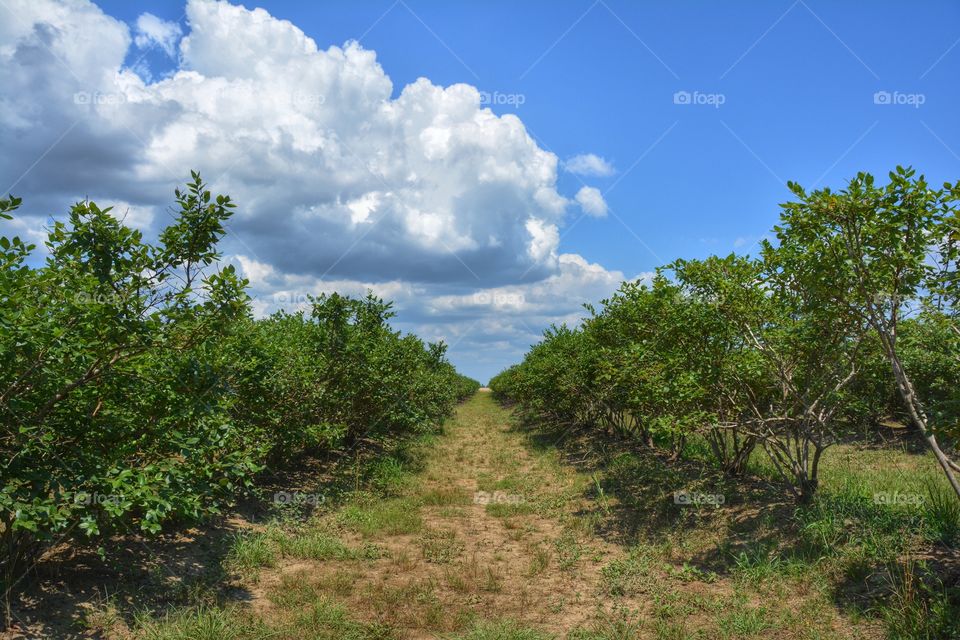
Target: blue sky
point(798, 79)
point(796, 83)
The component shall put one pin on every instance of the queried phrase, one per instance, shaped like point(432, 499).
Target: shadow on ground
point(872, 556)
point(134, 574)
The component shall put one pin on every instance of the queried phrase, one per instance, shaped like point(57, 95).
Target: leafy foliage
point(136, 388)
point(849, 318)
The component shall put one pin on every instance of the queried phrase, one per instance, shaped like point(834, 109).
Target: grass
point(744, 621)
point(297, 590)
point(440, 546)
point(326, 620)
point(942, 515)
point(539, 560)
point(584, 540)
point(613, 627)
point(250, 551)
point(446, 497)
point(806, 564)
point(391, 517)
point(629, 575)
point(507, 510)
point(204, 624)
point(313, 544)
point(504, 630)
point(568, 550)
point(919, 608)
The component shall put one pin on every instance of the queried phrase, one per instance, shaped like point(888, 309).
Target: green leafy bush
point(850, 318)
point(137, 389)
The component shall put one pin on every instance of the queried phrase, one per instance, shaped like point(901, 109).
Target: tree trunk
point(905, 387)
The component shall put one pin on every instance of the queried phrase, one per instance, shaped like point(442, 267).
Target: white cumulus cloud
point(591, 201)
point(589, 164)
point(154, 31)
point(341, 181)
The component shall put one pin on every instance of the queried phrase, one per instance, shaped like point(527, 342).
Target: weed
point(630, 575)
point(919, 606)
point(568, 550)
point(440, 546)
point(539, 560)
point(942, 514)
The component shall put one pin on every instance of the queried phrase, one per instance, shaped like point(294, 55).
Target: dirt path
point(493, 541)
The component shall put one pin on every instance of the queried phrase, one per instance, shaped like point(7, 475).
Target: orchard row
point(136, 371)
point(847, 319)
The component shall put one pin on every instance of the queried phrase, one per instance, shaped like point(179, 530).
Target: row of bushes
point(850, 318)
point(136, 388)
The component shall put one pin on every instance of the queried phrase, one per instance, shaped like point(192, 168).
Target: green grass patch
point(204, 623)
point(502, 630)
point(740, 620)
point(507, 509)
point(250, 551)
point(313, 544)
point(446, 497)
point(328, 620)
point(391, 517)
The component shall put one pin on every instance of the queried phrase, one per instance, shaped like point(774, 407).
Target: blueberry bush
point(137, 389)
